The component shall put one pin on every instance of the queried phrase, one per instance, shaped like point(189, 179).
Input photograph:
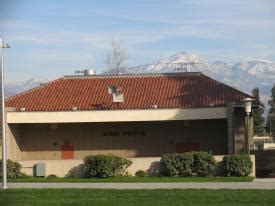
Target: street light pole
point(4, 142)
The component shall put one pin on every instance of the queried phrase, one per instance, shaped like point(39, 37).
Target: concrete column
point(250, 131)
point(13, 139)
point(230, 128)
point(239, 130)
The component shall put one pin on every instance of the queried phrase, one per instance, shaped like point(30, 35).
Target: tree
point(271, 114)
point(116, 61)
point(259, 121)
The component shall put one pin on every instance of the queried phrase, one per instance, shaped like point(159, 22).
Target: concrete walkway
point(256, 184)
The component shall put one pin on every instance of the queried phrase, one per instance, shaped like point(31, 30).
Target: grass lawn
point(138, 179)
point(165, 197)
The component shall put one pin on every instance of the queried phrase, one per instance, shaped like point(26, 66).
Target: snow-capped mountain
point(260, 68)
point(244, 75)
point(170, 64)
point(13, 88)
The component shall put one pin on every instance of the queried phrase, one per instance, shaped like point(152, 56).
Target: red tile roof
point(171, 90)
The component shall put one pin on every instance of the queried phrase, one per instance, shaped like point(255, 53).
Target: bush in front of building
point(237, 165)
point(141, 173)
point(204, 163)
point(178, 164)
point(104, 166)
point(76, 172)
point(13, 169)
point(188, 164)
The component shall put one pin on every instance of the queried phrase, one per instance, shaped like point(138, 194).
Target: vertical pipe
point(4, 149)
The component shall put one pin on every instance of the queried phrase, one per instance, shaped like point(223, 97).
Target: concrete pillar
point(230, 128)
point(13, 142)
point(239, 130)
point(250, 131)
point(13, 139)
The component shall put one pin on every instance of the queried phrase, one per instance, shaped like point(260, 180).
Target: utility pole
point(4, 141)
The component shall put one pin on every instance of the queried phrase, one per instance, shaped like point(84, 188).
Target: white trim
point(117, 115)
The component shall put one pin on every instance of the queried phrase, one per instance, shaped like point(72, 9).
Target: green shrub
point(13, 169)
point(52, 176)
point(237, 165)
point(204, 163)
point(141, 173)
point(104, 166)
point(76, 172)
point(178, 164)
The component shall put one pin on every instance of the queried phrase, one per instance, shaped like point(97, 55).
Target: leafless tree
point(116, 60)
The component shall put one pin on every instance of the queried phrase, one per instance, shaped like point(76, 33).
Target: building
point(62, 121)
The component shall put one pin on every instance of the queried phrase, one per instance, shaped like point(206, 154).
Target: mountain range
point(13, 88)
point(244, 75)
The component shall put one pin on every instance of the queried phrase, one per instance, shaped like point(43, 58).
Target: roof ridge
point(224, 84)
point(136, 75)
point(33, 89)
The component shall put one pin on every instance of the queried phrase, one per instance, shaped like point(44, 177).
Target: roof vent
point(112, 89)
point(89, 72)
point(74, 108)
point(116, 93)
point(155, 106)
point(117, 97)
point(22, 109)
point(86, 72)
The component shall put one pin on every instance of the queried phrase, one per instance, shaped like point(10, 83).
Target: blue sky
point(55, 37)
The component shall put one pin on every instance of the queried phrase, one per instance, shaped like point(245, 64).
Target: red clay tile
point(171, 90)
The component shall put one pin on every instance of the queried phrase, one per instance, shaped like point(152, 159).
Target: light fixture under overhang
point(247, 102)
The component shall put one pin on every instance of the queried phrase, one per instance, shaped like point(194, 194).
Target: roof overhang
point(117, 115)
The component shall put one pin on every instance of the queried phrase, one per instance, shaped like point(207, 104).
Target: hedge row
point(204, 164)
point(188, 164)
point(175, 164)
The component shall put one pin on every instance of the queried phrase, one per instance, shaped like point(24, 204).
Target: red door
point(67, 151)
